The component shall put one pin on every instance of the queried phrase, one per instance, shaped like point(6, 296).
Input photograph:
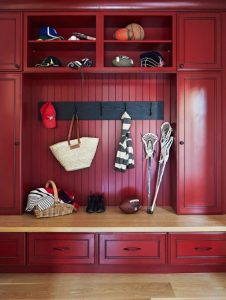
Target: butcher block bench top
point(163, 219)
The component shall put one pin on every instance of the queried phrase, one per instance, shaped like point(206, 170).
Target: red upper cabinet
point(199, 40)
point(199, 143)
point(10, 34)
point(10, 91)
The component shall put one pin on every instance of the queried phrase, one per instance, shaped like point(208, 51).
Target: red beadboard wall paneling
point(224, 109)
point(112, 5)
point(101, 176)
point(26, 137)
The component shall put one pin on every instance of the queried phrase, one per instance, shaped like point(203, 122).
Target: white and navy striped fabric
point(40, 198)
point(124, 157)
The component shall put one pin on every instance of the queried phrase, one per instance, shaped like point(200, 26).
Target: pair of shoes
point(95, 204)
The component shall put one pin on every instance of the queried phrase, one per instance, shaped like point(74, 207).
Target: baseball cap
point(48, 114)
point(49, 33)
point(50, 61)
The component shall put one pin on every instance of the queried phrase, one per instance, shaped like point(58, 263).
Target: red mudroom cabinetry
point(12, 249)
point(199, 37)
point(133, 248)
point(10, 33)
point(10, 136)
point(199, 143)
point(197, 248)
point(60, 248)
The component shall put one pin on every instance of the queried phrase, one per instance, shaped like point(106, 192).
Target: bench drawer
point(207, 248)
point(12, 248)
point(60, 248)
point(132, 248)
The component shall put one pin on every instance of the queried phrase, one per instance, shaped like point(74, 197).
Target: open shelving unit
point(159, 32)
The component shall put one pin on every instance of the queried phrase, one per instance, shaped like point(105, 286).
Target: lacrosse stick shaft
point(149, 186)
point(159, 180)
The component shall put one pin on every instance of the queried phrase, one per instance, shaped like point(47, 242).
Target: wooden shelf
point(66, 70)
point(113, 220)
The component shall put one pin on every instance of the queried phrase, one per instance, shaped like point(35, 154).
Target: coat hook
point(150, 111)
point(125, 106)
point(101, 109)
point(75, 109)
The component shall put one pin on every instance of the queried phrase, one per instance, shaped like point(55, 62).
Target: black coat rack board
point(109, 110)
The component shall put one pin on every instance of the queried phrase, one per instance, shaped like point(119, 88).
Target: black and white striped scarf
point(124, 157)
point(40, 198)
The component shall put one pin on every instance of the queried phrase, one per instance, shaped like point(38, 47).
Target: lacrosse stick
point(166, 142)
point(149, 140)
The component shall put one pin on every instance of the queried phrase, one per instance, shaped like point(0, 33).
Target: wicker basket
point(58, 209)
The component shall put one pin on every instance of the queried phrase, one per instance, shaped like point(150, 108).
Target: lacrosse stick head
point(166, 141)
point(149, 140)
point(166, 131)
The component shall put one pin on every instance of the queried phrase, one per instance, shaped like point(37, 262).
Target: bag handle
point(55, 192)
point(77, 133)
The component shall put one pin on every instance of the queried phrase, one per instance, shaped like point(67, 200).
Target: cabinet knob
point(17, 66)
point(181, 66)
point(181, 142)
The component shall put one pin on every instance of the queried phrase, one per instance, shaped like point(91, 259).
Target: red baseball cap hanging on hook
point(48, 114)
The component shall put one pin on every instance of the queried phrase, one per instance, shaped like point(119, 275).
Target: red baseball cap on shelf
point(48, 114)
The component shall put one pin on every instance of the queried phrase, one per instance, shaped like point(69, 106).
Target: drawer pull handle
point(61, 248)
point(203, 248)
point(132, 249)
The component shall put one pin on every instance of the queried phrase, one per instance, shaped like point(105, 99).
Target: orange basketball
point(123, 34)
point(138, 31)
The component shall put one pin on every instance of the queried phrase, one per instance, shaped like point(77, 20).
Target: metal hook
point(125, 106)
point(150, 111)
point(75, 109)
point(101, 109)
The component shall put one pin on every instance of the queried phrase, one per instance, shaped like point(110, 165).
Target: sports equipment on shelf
point(122, 61)
point(50, 61)
point(138, 31)
point(166, 143)
point(130, 206)
point(149, 140)
point(123, 34)
point(151, 59)
point(49, 33)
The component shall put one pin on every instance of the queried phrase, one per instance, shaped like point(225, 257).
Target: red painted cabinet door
point(60, 248)
point(199, 143)
point(10, 34)
point(132, 248)
point(12, 249)
point(10, 109)
point(199, 36)
point(197, 248)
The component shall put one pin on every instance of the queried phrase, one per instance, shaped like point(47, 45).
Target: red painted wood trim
point(114, 269)
point(112, 5)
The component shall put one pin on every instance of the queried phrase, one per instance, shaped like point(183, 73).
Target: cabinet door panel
point(60, 248)
point(12, 248)
point(199, 40)
point(197, 248)
point(199, 180)
point(10, 139)
point(133, 248)
point(10, 33)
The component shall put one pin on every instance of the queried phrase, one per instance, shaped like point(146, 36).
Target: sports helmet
point(151, 59)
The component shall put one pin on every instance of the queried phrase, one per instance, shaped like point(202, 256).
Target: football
point(122, 61)
point(130, 206)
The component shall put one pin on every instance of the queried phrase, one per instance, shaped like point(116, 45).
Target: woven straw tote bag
point(75, 154)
